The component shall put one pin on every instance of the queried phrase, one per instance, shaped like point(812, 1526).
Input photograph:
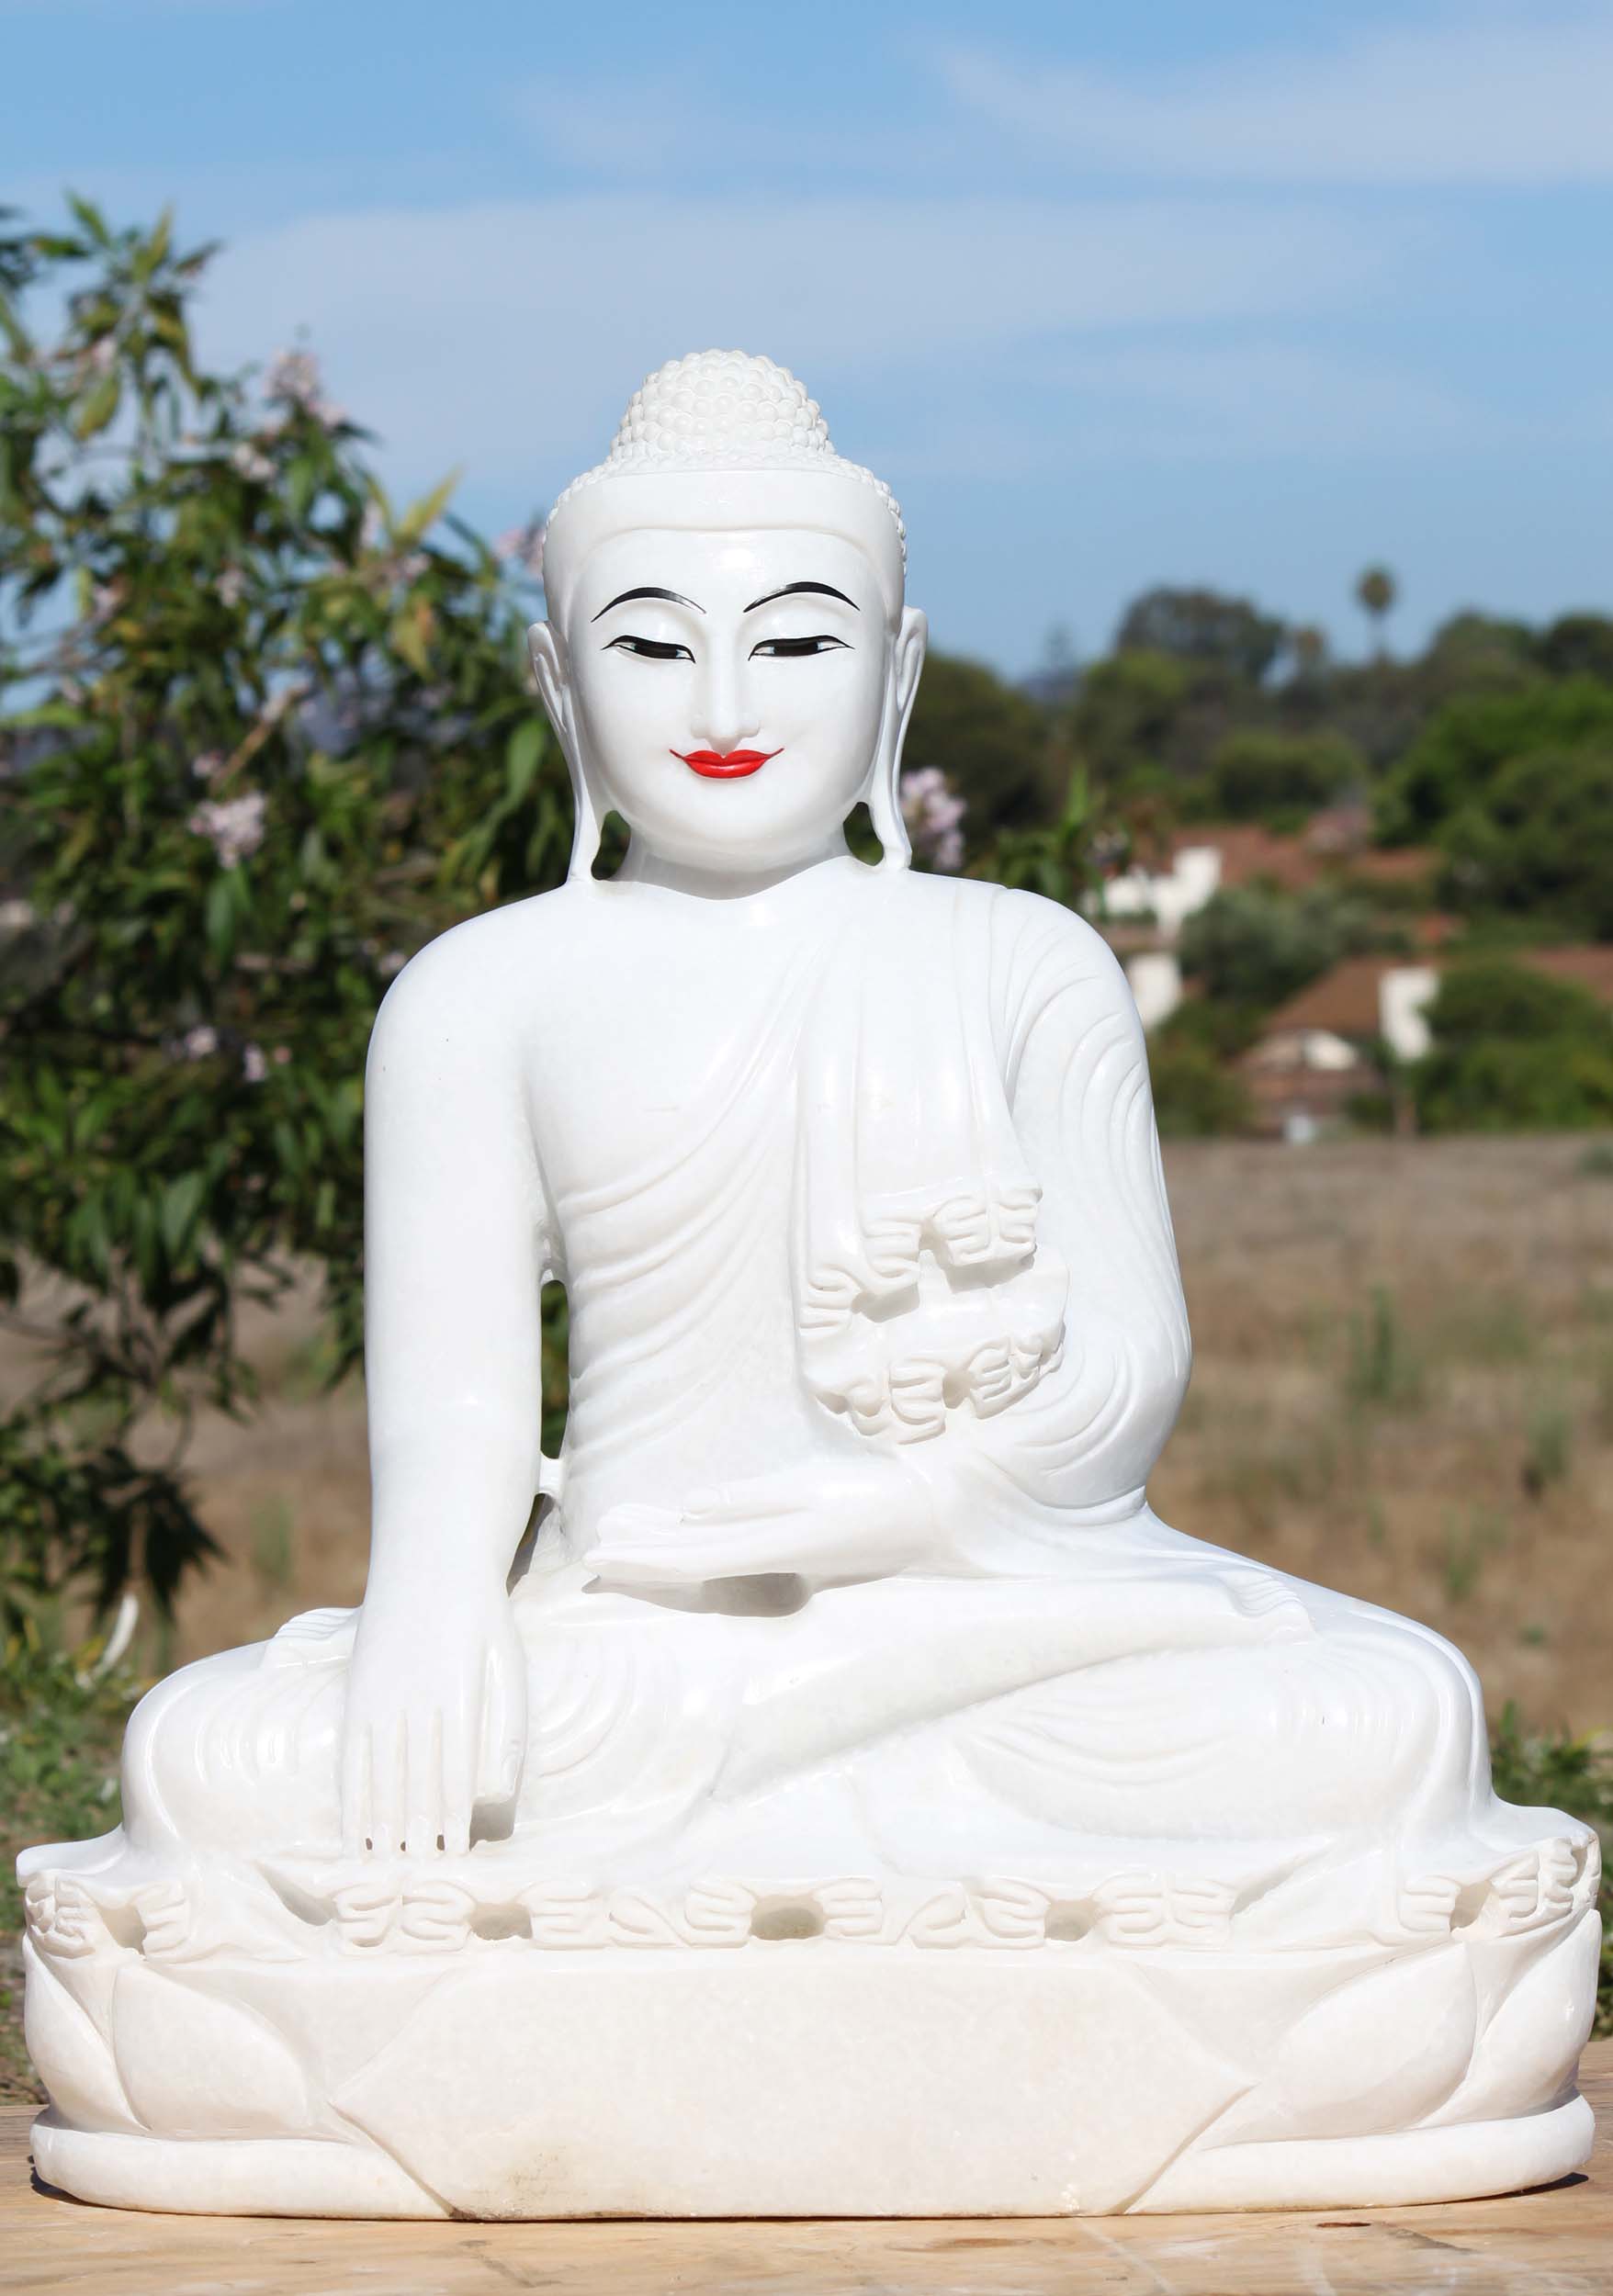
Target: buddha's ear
point(912, 642)
point(548, 667)
point(884, 796)
point(554, 686)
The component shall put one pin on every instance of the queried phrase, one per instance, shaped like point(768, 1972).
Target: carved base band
point(236, 2177)
point(804, 2078)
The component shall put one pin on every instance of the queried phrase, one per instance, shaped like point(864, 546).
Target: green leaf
point(421, 516)
point(302, 483)
point(220, 917)
point(182, 1199)
point(522, 758)
point(92, 221)
point(98, 408)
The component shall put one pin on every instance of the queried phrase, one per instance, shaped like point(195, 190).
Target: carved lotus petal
point(1374, 2056)
point(1528, 2050)
point(73, 2058)
point(193, 2067)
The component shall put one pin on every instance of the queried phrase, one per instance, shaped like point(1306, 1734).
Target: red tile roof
point(1345, 1000)
point(1250, 854)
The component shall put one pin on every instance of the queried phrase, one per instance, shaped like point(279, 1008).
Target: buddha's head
point(727, 660)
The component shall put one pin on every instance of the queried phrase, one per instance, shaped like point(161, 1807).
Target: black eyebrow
point(649, 590)
point(797, 590)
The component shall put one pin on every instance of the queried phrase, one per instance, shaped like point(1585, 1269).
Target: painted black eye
point(795, 648)
point(650, 648)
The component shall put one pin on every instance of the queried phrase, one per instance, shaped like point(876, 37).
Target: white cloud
point(509, 335)
point(625, 130)
point(1267, 399)
point(1253, 400)
point(1524, 97)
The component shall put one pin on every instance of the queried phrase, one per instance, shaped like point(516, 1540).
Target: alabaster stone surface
point(826, 1788)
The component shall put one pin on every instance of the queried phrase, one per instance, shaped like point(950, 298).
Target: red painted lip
point(716, 767)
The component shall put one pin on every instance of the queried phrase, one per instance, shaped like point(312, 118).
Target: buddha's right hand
point(436, 1719)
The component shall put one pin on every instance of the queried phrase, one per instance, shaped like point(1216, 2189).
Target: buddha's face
point(727, 689)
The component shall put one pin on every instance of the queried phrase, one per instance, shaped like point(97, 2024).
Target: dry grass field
point(1404, 1388)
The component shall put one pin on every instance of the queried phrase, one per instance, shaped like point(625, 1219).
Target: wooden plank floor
point(1556, 2242)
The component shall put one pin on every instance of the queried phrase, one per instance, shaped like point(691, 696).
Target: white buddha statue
point(845, 1619)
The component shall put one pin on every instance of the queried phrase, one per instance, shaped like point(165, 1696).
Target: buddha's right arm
point(454, 1254)
point(435, 1718)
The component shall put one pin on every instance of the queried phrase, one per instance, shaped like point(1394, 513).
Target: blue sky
point(1238, 293)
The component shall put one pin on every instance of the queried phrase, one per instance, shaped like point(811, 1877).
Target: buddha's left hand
point(865, 1519)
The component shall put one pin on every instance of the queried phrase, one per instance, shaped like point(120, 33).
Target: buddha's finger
point(358, 1791)
point(500, 1737)
point(422, 1786)
point(388, 1754)
point(458, 1784)
point(737, 1549)
point(743, 1550)
point(634, 1565)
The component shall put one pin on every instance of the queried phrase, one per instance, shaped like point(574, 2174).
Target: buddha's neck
point(643, 867)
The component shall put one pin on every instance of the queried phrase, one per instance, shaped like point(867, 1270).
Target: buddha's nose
point(724, 710)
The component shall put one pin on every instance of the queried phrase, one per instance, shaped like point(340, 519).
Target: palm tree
point(1375, 594)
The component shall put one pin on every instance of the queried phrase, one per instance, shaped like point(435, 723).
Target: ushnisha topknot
point(724, 438)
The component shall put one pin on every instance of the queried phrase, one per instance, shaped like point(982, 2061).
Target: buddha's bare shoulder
point(1037, 932)
point(482, 972)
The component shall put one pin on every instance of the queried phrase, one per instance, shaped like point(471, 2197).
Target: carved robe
point(895, 1198)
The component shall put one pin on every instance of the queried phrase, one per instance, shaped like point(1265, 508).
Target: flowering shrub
point(261, 734)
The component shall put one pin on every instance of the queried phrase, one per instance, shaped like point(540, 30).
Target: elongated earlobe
point(883, 793)
point(554, 688)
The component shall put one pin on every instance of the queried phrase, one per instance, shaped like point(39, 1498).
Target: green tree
point(1514, 1049)
point(1376, 591)
point(1307, 646)
point(1540, 845)
point(1578, 646)
point(1126, 713)
point(1457, 756)
point(1275, 776)
point(1253, 946)
point(1474, 653)
point(991, 741)
point(1202, 625)
point(1196, 1095)
point(267, 733)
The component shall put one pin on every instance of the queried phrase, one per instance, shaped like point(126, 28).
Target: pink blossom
point(281, 1056)
point(232, 586)
point(251, 462)
point(234, 826)
point(394, 961)
point(205, 766)
point(254, 1066)
point(294, 379)
point(199, 1043)
point(935, 813)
